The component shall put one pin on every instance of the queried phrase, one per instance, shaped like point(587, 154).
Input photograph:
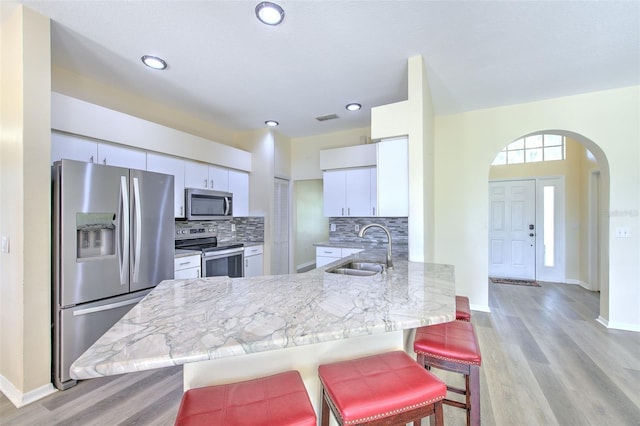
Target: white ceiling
point(228, 68)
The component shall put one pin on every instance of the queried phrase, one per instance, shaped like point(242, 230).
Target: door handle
point(532, 235)
point(124, 230)
point(138, 213)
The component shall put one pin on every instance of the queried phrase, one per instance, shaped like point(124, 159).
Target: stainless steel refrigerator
point(112, 242)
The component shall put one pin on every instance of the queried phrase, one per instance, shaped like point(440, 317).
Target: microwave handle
point(227, 206)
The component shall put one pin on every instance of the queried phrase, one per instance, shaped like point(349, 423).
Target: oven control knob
point(210, 229)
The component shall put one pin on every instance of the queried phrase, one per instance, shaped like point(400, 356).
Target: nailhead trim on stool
point(389, 388)
point(463, 311)
point(453, 346)
point(280, 399)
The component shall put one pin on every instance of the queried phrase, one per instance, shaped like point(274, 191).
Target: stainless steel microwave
point(203, 204)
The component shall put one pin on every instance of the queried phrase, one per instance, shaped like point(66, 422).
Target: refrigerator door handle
point(124, 226)
point(138, 215)
point(107, 307)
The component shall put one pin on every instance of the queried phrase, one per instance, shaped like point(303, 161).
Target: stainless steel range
point(218, 258)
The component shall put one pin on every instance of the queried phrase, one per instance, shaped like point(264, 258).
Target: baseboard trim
point(619, 325)
point(20, 399)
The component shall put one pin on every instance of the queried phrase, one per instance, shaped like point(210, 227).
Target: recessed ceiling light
point(269, 13)
point(353, 107)
point(271, 123)
point(154, 62)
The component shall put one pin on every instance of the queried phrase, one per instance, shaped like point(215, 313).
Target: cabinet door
point(253, 266)
point(393, 177)
point(184, 274)
point(334, 193)
point(115, 155)
point(69, 147)
point(374, 192)
point(358, 189)
point(171, 166)
point(218, 178)
point(196, 175)
point(239, 187)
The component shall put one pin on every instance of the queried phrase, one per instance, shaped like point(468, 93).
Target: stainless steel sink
point(358, 268)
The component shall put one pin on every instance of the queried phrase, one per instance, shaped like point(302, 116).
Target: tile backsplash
point(345, 229)
point(247, 229)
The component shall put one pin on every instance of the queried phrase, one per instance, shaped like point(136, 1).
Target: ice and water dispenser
point(96, 234)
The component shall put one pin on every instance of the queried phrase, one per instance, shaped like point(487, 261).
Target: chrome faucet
point(385, 229)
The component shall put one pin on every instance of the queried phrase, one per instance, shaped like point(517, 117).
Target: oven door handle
point(222, 253)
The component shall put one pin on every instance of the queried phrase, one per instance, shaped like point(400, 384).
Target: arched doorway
point(584, 172)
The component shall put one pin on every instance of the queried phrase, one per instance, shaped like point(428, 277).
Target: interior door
point(512, 241)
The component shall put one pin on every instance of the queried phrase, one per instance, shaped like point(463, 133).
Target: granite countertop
point(191, 320)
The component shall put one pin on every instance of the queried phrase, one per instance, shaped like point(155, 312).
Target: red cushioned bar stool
point(453, 346)
point(463, 310)
point(280, 399)
point(384, 389)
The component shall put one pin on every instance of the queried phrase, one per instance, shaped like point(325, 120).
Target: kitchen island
point(226, 329)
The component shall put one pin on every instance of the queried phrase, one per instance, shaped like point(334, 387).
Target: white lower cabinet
point(186, 267)
point(253, 260)
point(326, 255)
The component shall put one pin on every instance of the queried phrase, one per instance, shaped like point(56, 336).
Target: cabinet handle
point(348, 211)
point(104, 161)
point(181, 214)
point(342, 212)
point(185, 263)
point(211, 183)
point(205, 183)
point(91, 159)
point(246, 263)
point(374, 211)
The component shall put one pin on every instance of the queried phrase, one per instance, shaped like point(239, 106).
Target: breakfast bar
point(227, 329)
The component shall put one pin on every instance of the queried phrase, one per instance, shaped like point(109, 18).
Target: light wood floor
point(545, 362)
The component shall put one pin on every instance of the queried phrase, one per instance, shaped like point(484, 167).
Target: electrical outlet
point(233, 227)
point(356, 228)
point(622, 232)
point(5, 244)
point(332, 227)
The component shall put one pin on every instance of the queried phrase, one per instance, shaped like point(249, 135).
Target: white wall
point(25, 182)
point(465, 147)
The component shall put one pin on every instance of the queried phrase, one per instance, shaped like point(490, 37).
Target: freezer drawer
point(77, 328)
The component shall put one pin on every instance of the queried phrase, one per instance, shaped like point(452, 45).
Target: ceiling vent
point(327, 117)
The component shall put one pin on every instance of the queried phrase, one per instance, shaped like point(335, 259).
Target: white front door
point(512, 241)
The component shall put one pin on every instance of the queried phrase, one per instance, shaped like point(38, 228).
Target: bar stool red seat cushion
point(280, 399)
point(378, 386)
point(450, 341)
point(463, 310)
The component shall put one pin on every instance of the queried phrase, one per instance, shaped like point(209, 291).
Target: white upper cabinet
point(239, 187)
point(347, 192)
point(70, 147)
point(386, 190)
point(393, 177)
point(206, 176)
point(172, 166)
point(120, 156)
point(218, 178)
point(196, 175)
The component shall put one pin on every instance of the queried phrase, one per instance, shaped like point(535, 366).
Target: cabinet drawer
point(253, 250)
point(186, 262)
point(329, 252)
